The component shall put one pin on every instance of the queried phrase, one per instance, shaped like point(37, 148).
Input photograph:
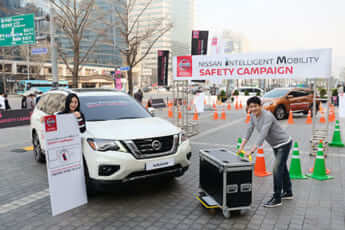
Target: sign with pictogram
point(64, 163)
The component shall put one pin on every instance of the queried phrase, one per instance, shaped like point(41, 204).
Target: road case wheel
point(226, 214)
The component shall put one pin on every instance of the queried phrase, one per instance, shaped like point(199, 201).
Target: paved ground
point(25, 204)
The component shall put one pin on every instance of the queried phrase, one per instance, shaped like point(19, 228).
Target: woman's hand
point(77, 114)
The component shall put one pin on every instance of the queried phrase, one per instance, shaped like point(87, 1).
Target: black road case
point(227, 179)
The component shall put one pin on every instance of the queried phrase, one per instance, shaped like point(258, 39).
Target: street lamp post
point(53, 46)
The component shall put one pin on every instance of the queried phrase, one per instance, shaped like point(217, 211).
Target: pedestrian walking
point(30, 101)
point(23, 102)
point(7, 104)
point(2, 102)
point(340, 91)
point(72, 105)
point(270, 130)
point(139, 96)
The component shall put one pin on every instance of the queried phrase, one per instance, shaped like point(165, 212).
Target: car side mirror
point(151, 111)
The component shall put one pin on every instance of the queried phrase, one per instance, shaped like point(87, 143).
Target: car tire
point(280, 113)
point(91, 189)
point(38, 153)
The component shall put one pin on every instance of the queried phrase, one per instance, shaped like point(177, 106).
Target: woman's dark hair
point(254, 100)
point(69, 100)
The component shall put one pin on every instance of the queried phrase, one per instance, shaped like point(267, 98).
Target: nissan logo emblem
point(184, 64)
point(156, 145)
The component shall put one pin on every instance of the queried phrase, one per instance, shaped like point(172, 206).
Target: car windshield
point(275, 93)
point(114, 107)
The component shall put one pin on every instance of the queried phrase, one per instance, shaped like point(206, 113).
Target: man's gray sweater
point(268, 129)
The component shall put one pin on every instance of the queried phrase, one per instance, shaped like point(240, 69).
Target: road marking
point(23, 201)
point(208, 132)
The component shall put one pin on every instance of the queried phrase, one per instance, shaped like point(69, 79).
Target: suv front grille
point(145, 145)
point(153, 147)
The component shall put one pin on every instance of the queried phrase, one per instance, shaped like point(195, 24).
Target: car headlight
point(104, 145)
point(183, 137)
point(268, 103)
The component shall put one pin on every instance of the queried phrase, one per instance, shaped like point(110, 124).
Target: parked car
point(281, 100)
point(147, 89)
point(123, 141)
point(252, 91)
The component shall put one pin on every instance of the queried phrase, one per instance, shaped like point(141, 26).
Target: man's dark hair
point(254, 100)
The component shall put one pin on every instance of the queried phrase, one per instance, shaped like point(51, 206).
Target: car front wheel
point(38, 153)
point(280, 113)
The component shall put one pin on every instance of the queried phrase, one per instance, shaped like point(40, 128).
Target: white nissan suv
point(122, 142)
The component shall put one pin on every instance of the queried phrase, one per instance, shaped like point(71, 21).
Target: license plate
point(160, 164)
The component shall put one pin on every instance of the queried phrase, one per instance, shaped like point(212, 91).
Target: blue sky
point(271, 25)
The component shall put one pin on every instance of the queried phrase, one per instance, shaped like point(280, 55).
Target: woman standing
point(72, 105)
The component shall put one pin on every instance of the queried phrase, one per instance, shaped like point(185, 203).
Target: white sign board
point(64, 163)
point(289, 65)
point(199, 99)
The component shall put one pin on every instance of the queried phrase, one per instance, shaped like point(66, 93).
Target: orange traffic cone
point(290, 120)
point(205, 103)
point(214, 106)
point(196, 116)
point(260, 165)
point(215, 115)
point(322, 118)
point(189, 108)
point(241, 107)
point(229, 106)
point(309, 120)
point(236, 105)
point(179, 114)
point(248, 118)
point(170, 113)
point(223, 115)
point(331, 115)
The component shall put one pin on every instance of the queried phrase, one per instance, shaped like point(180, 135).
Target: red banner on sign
point(50, 123)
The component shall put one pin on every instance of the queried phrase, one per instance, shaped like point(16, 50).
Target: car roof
point(295, 89)
point(89, 91)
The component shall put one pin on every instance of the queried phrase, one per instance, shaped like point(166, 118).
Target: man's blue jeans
point(281, 176)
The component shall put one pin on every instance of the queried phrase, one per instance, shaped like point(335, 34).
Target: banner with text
point(199, 42)
point(13, 118)
point(163, 63)
point(64, 163)
point(287, 64)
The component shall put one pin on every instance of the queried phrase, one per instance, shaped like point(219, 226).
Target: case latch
point(246, 187)
point(232, 188)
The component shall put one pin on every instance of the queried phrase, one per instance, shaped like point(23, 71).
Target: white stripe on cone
point(320, 157)
point(260, 155)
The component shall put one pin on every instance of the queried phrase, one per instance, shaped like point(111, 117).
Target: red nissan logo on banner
point(50, 123)
point(184, 66)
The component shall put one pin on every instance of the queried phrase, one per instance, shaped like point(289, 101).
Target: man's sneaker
point(273, 202)
point(287, 196)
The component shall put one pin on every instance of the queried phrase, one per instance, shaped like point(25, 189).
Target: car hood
point(128, 129)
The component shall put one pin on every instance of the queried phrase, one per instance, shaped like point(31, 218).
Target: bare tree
point(138, 40)
point(77, 20)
